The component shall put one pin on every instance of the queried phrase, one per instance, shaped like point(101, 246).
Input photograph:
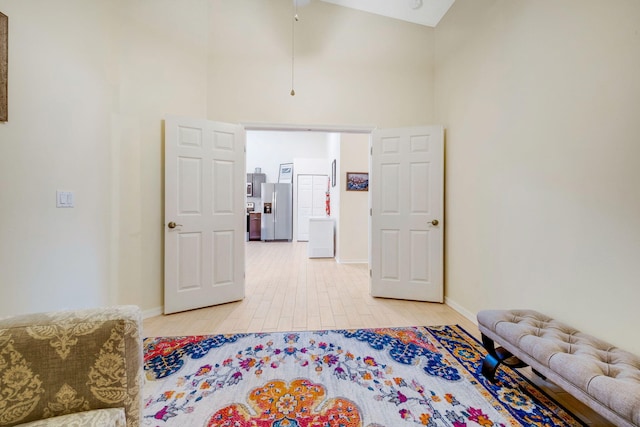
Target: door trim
point(367, 129)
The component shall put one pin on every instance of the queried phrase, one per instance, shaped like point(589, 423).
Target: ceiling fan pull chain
point(293, 44)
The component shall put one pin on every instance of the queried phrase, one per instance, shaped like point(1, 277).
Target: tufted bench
point(600, 375)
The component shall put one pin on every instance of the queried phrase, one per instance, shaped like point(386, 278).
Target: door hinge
point(371, 151)
point(370, 212)
point(370, 273)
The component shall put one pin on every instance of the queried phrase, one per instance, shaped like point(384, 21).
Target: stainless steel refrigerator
point(277, 213)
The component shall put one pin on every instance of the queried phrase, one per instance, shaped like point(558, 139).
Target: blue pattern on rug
point(165, 357)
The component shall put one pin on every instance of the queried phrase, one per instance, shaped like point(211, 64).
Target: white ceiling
point(423, 12)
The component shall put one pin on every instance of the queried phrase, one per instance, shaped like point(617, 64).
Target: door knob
point(173, 225)
point(435, 222)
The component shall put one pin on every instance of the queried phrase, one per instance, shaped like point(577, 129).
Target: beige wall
point(351, 67)
point(162, 70)
point(353, 239)
point(89, 85)
point(540, 100)
point(57, 138)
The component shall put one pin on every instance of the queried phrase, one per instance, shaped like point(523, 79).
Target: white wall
point(268, 149)
point(540, 101)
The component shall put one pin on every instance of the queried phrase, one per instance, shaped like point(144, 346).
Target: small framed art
point(357, 181)
point(286, 173)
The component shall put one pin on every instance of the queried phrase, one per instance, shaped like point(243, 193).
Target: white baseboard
point(152, 312)
point(351, 261)
point(460, 309)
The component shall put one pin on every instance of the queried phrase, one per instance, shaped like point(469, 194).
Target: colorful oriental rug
point(345, 378)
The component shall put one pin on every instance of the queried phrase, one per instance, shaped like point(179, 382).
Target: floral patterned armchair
point(72, 368)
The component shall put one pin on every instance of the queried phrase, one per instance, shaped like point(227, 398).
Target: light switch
point(64, 199)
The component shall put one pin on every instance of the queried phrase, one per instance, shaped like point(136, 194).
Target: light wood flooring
point(287, 291)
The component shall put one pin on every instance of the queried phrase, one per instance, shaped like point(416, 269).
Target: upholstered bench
point(598, 374)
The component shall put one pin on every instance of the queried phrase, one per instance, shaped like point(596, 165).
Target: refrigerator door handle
point(275, 205)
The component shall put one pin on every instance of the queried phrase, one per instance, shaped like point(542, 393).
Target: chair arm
point(65, 362)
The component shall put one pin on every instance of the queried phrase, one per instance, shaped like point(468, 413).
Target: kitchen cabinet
point(254, 184)
point(255, 221)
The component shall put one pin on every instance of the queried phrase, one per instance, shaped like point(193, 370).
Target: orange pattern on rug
point(282, 405)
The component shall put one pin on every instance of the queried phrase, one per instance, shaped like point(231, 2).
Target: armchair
point(72, 368)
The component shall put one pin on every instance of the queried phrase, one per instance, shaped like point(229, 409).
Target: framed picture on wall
point(285, 175)
point(333, 173)
point(357, 181)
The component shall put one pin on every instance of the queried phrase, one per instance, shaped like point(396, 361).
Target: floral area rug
point(345, 378)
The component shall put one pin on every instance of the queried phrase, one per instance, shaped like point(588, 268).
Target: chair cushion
point(112, 417)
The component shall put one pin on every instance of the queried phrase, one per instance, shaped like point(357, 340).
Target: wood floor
point(287, 291)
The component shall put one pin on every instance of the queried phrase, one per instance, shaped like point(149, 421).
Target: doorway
point(205, 214)
point(313, 153)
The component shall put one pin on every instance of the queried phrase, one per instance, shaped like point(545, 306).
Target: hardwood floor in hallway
point(287, 291)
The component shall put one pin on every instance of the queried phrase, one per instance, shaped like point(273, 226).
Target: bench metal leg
point(489, 366)
point(491, 361)
point(495, 357)
point(539, 374)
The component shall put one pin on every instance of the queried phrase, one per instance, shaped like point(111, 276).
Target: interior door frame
point(308, 128)
point(276, 127)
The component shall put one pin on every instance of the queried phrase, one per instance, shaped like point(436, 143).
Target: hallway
point(285, 290)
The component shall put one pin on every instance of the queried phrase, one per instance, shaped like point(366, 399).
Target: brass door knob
point(173, 225)
point(435, 222)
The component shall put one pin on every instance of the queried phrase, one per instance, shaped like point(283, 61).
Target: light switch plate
point(65, 199)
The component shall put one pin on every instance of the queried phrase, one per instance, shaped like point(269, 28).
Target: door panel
point(407, 194)
point(189, 261)
point(223, 249)
point(204, 197)
point(189, 177)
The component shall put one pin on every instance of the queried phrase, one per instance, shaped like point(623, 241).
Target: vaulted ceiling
point(423, 12)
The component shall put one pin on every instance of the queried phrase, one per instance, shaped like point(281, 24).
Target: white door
point(312, 194)
point(407, 207)
point(204, 213)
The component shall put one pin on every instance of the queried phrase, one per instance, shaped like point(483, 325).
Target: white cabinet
point(312, 196)
point(321, 237)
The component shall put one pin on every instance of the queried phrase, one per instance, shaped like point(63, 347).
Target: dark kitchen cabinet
point(254, 226)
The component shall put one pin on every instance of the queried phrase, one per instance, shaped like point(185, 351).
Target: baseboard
point(153, 312)
point(351, 261)
point(460, 309)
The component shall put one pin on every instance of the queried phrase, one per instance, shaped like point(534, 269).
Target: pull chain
point(293, 45)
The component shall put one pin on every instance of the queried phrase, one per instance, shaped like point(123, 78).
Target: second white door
point(407, 207)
